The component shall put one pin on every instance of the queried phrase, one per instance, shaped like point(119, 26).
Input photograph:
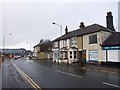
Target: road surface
point(47, 74)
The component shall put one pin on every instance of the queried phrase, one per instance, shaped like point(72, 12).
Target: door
point(84, 56)
point(80, 56)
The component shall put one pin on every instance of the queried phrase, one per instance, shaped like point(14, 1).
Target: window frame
point(93, 39)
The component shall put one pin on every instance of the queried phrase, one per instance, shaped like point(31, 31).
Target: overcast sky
point(31, 20)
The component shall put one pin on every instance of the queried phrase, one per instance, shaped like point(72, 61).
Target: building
point(42, 50)
point(7, 52)
point(83, 44)
point(111, 48)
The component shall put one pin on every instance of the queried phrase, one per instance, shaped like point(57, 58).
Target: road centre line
point(34, 85)
point(113, 85)
point(69, 74)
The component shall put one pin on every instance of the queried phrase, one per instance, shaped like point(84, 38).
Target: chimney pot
point(109, 21)
point(66, 30)
point(82, 25)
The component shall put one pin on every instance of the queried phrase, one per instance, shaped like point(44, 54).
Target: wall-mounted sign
point(111, 48)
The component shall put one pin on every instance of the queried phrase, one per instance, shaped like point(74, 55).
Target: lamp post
point(58, 25)
point(4, 41)
point(61, 35)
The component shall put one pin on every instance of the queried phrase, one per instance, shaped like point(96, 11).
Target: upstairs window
point(56, 44)
point(64, 43)
point(73, 41)
point(93, 39)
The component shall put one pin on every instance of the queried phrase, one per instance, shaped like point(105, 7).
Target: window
point(93, 39)
point(66, 55)
point(75, 54)
point(93, 55)
point(70, 54)
point(56, 44)
point(73, 41)
point(64, 43)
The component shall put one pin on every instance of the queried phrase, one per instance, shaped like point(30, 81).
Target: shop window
point(93, 55)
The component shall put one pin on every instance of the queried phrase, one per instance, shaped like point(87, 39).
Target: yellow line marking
point(34, 85)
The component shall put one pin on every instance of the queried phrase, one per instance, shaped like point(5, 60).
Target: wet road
point(11, 78)
point(50, 75)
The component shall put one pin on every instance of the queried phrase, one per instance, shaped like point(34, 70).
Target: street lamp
point(58, 25)
point(61, 35)
point(4, 39)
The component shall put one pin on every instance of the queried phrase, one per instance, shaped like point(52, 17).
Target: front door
point(80, 56)
point(84, 56)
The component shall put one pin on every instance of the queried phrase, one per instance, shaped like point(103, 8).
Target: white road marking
point(69, 74)
point(111, 84)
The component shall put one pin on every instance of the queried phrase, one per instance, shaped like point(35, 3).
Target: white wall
point(105, 35)
point(103, 56)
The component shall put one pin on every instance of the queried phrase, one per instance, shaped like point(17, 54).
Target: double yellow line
point(33, 84)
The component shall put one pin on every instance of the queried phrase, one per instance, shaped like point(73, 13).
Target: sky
point(30, 21)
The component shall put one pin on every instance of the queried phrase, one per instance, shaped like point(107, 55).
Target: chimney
point(81, 25)
point(66, 30)
point(109, 21)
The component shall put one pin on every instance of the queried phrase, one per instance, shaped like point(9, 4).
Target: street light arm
point(58, 25)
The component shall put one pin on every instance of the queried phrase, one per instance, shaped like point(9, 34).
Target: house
point(42, 50)
point(18, 52)
point(83, 44)
point(111, 48)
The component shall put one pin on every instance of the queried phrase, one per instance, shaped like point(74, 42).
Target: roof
point(112, 40)
point(42, 43)
point(83, 31)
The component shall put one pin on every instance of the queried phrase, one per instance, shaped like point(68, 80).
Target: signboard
point(111, 48)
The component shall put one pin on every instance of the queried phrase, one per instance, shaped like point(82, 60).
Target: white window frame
point(73, 42)
point(93, 55)
point(64, 43)
point(55, 44)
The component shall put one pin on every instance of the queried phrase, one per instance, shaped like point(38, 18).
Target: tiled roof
point(87, 30)
point(112, 40)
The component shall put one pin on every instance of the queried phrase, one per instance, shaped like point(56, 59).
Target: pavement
point(90, 66)
point(95, 67)
point(102, 68)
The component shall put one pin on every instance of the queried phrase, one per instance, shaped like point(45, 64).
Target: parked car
point(16, 57)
